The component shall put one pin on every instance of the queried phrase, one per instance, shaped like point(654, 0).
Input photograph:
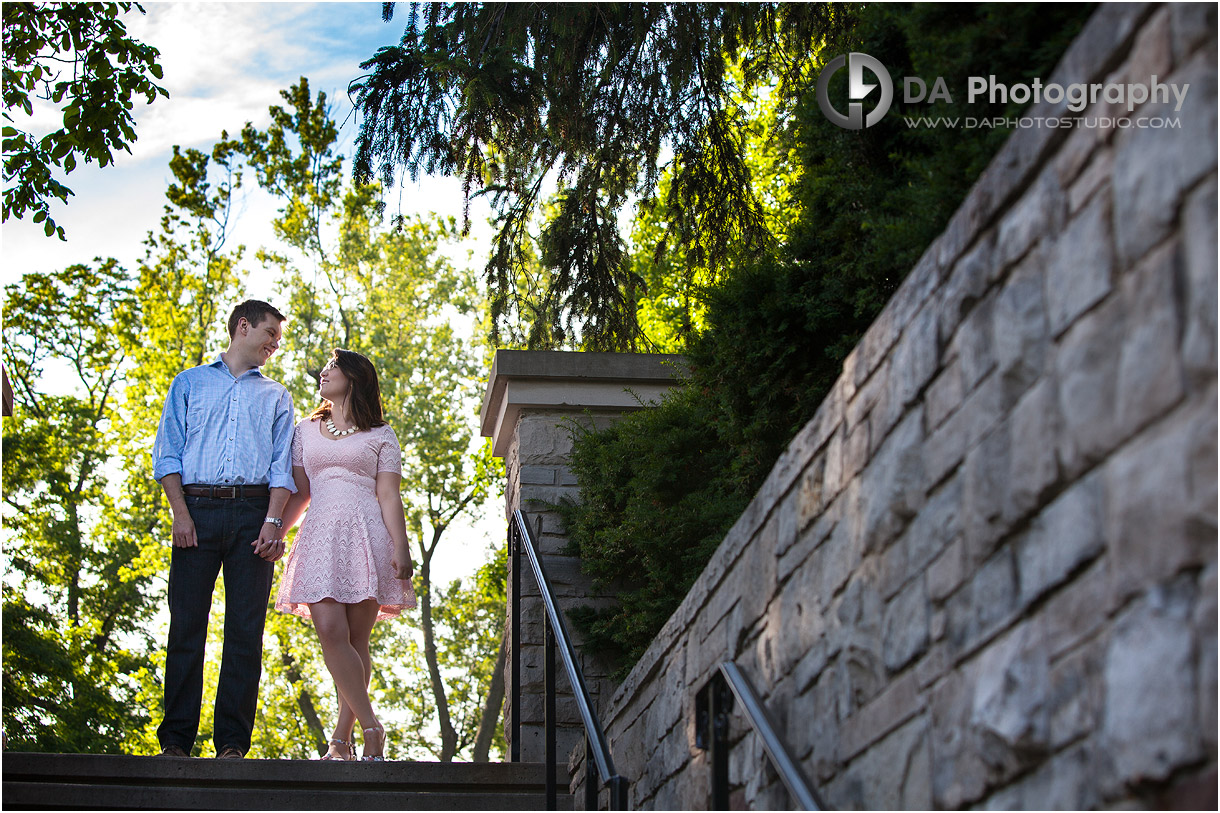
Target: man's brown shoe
point(173, 751)
point(230, 752)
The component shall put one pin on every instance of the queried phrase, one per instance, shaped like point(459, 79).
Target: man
point(223, 456)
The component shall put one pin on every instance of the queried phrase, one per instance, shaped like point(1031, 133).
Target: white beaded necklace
point(330, 427)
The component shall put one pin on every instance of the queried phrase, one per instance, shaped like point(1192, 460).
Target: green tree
point(778, 325)
point(510, 96)
point(86, 544)
point(75, 607)
point(78, 57)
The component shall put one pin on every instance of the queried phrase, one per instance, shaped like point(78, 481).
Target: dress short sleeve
point(389, 455)
point(298, 450)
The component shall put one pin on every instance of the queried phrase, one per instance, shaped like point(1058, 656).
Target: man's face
point(258, 342)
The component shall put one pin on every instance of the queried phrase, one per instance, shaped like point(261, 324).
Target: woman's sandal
point(378, 732)
point(351, 751)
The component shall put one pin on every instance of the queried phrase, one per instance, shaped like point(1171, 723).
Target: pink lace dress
point(342, 549)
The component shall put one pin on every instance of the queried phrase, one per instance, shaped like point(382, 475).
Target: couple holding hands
point(238, 475)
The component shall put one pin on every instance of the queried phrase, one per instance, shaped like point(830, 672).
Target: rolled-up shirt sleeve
point(280, 475)
point(171, 432)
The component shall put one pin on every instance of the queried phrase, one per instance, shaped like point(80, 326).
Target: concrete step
point(105, 781)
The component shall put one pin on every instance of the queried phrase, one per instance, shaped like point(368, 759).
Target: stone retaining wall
point(985, 573)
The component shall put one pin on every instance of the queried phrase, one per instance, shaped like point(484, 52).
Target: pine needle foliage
point(661, 487)
point(595, 100)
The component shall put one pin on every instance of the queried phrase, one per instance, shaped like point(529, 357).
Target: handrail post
point(549, 689)
point(618, 793)
point(521, 541)
point(590, 777)
point(514, 567)
point(721, 705)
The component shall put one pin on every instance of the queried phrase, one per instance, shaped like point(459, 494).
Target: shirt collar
point(219, 362)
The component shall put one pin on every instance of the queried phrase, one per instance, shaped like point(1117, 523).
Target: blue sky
point(225, 64)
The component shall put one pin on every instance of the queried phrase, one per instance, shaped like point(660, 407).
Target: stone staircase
point(39, 781)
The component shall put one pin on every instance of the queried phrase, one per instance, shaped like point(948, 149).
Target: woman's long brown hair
point(365, 406)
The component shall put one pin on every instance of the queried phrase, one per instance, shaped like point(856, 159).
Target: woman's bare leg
point(360, 620)
point(343, 661)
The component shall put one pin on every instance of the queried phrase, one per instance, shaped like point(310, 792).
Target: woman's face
point(333, 385)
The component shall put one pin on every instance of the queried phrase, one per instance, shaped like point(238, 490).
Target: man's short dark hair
point(253, 311)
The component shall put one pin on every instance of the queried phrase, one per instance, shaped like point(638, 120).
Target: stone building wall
point(985, 573)
point(535, 401)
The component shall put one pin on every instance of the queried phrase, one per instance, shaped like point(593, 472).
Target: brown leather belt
point(227, 492)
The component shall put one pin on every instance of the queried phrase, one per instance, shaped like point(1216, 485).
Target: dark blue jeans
point(224, 529)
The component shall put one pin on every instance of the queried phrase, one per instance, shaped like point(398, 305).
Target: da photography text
point(916, 90)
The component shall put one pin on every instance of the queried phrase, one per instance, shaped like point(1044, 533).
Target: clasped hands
point(267, 545)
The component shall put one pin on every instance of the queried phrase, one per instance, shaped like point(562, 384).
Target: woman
point(350, 564)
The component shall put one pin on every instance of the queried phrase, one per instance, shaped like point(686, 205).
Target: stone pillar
point(534, 403)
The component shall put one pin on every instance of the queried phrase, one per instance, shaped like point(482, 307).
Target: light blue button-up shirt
point(223, 430)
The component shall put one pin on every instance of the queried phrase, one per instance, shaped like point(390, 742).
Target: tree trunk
point(448, 735)
point(491, 708)
point(304, 699)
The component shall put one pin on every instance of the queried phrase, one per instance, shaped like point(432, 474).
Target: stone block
point(939, 522)
point(855, 450)
point(985, 493)
point(1153, 169)
point(947, 571)
point(858, 633)
point(1033, 462)
point(1087, 367)
point(1095, 176)
point(892, 486)
point(861, 405)
point(905, 630)
point(1065, 782)
point(1076, 693)
point(1080, 266)
point(1152, 52)
point(898, 703)
point(916, 357)
point(811, 497)
point(1035, 217)
point(1204, 625)
point(1150, 527)
point(944, 395)
point(1193, 25)
point(1072, 615)
point(1151, 722)
point(1009, 714)
point(1150, 378)
point(959, 776)
point(1199, 261)
point(808, 540)
point(875, 346)
point(892, 775)
point(543, 439)
point(1064, 536)
point(973, 344)
point(965, 286)
point(758, 568)
point(537, 475)
point(1019, 328)
point(835, 559)
point(984, 606)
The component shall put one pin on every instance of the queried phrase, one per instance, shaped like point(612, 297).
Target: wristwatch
point(276, 521)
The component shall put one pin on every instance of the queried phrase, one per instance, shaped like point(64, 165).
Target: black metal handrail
point(712, 707)
point(597, 750)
